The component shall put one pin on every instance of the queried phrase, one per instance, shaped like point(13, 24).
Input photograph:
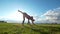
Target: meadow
point(15, 28)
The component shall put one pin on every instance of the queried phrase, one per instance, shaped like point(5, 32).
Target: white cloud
point(52, 16)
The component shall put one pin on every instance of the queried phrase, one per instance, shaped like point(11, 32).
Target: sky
point(36, 8)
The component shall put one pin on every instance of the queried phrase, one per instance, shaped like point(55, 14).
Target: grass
point(11, 28)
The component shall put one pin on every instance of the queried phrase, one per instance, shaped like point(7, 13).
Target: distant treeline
point(47, 23)
point(3, 22)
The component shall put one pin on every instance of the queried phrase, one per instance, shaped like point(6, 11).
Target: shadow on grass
point(37, 30)
point(49, 27)
point(41, 31)
point(5, 32)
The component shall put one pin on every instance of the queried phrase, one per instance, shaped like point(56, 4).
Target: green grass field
point(11, 28)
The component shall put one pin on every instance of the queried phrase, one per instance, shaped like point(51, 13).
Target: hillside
point(11, 28)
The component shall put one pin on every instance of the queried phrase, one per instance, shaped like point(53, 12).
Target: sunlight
point(15, 16)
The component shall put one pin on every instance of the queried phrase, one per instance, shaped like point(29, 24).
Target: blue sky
point(32, 7)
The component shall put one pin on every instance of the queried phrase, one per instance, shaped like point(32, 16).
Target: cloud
point(52, 16)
